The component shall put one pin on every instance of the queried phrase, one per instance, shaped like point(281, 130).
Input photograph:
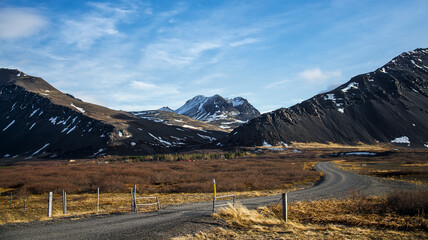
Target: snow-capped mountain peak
point(226, 113)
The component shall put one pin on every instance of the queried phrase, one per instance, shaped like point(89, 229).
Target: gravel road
point(193, 217)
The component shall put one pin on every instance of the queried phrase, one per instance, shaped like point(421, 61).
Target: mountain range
point(388, 105)
point(37, 120)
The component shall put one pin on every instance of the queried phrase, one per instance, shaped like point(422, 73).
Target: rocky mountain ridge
point(37, 120)
point(216, 110)
point(387, 105)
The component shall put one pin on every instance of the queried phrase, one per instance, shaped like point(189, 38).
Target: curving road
point(193, 217)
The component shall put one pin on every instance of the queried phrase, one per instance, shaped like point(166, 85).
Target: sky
point(140, 55)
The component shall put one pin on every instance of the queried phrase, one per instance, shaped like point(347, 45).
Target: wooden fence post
point(64, 202)
point(135, 198)
point(98, 199)
point(25, 203)
point(284, 207)
point(157, 201)
point(50, 204)
point(132, 199)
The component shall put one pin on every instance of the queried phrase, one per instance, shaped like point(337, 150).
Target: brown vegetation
point(192, 176)
point(405, 165)
point(355, 218)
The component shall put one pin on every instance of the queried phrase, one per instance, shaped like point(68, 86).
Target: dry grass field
point(180, 178)
point(184, 176)
point(392, 217)
point(410, 166)
point(188, 180)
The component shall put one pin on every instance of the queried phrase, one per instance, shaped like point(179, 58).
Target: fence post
point(98, 199)
point(50, 204)
point(284, 207)
point(234, 197)
point(157, 200)
point(135, 198)
point(25, 203)
point(132, 199)
point(64, 202)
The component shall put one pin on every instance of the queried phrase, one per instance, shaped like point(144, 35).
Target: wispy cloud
point(20, 22)
point(84, 33)
point(277, 84)
point(143, 85)
point(100, 22)
point(175, 52)
point(317, 75)
point(244, 41)
point(209, 78)
point(308, 76)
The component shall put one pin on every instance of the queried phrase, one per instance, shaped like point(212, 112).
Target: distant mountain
point(37, 120)
point(388, 105)
point(175, 119)
point(166, 109)
point(215, 110)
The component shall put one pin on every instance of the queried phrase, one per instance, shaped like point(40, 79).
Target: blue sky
point(140, 55)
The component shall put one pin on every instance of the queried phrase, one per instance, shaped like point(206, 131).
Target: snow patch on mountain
point(78, 108)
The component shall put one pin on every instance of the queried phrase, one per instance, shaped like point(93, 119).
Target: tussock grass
point(358, 217)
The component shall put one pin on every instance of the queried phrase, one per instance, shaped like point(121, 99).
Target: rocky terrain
point(387, 105)
point(37, 120)
point(169, 117)
point(215, 110)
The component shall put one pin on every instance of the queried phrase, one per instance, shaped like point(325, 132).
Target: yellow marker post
point(215, 190)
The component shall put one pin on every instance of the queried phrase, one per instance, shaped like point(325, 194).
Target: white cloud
point(276, 84)
point(84, 33)
point(243, 42)
point(209, 78)
point(143, 85)
point(317, 75)
point(97, 24)
point(175, 52)
point(20, 22)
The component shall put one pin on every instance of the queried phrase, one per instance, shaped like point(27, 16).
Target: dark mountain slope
point(38, 120)
point(389, 104)
point(175, 119)
point(215, 110)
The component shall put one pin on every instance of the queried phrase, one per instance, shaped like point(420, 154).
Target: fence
point(221, 197)
point(134, 199)
point(223, 204)
point(111, 203)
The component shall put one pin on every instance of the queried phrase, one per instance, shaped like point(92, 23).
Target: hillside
point(387, 105)
point(37, 120)
point(174, 119)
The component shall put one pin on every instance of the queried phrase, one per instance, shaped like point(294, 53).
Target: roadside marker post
point(284, 207)
point(98, 199)
point(215, 190)
point(135, 198)
point(64, 202)
point(50, 204)
point(25, 203)
point(215, 194)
